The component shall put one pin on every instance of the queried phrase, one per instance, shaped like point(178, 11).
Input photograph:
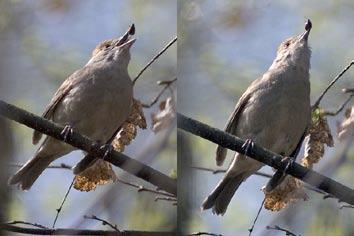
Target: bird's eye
point(287, 44)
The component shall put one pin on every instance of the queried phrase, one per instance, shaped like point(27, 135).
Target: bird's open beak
point(128, 44)
point(126, 38)
point(305, 35)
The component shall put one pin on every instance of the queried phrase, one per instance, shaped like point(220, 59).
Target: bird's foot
point(67, 132)
point(108, 148)
point(248, 146)
point(289, 162)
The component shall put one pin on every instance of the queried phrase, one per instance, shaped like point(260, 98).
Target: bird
point(94, 101)
point(273, 112)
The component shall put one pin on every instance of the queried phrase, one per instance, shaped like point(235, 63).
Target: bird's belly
point(276, 125)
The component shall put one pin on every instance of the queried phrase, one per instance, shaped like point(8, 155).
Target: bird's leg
point(248, 146)
point(67, 132)
point(289, 162)
point(108, 148)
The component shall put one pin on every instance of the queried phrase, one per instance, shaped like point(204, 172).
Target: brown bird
point(274, 112)
point(94, 101)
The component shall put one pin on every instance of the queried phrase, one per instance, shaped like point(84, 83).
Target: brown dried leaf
point(319, 134)
point(165, 116)
point(98, 174)
point(288, 191)
point(101, 172)
point(346, 128)
point(128, 131)
point(291, 189)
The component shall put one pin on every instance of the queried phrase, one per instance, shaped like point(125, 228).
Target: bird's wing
point(63, 90)
point(231, 125)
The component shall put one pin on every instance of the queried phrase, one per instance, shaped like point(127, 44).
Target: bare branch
point(276, 227)
point(204, 233)
point(142, 188)
point(218, 171)
point(60, 166)
point(340, 108)
point(346, 206)
point(62, 203)
point(167, 84)
point(250, 230)
point(27, 223)
point(66, 231)
point(154, 59)
point(104, 222)
point(338, 190)
point(121, 160)
point(331, 84)
point(168, 199)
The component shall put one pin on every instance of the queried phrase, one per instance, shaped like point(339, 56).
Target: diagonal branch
point(120, 160)
point(331, 84)
point(338, 190)
point(155, 58)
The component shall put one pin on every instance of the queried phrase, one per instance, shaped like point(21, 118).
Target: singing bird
point(273, 112)
point(94, 101)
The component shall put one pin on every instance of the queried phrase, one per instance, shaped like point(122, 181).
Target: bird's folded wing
point(63, 90)
point(231, 126)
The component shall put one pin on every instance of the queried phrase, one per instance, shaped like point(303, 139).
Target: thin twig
point(340, 108)
point(70, 231)
point(218, 171)
point(255, 219)
point(346, 206)
point(60, 166)
point(169, 199)
point(276, 227)
point(141, 188)
point(154, 59)
point(167, 84)
point(62, 203)
point(27, 223)
point(104, 222)
point(204, 233)
point(331, 84)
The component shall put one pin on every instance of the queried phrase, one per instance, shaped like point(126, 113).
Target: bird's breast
point(98, 106)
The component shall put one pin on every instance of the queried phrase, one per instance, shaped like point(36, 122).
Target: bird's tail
point(221, 196)
point(27, 175)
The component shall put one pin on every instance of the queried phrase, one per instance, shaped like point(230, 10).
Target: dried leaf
point(346, 128)
point(288, 191)
point(319, 134)
point(128, 131)
point(101, 172)
point(291, 189)
point(98, 174)
point(165, 116)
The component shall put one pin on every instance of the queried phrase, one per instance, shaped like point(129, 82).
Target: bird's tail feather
point(28, 174)
point(221, 196)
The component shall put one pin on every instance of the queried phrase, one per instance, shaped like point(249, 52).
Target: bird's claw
point(108, 148)
point(289, 162)
point(248, 146)
point(67, 132)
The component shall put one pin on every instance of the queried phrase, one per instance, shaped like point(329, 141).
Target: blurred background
point(223, 46)
point(41, 44)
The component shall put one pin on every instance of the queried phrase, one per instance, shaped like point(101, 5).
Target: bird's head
point(115, 51)
point(295, 50)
